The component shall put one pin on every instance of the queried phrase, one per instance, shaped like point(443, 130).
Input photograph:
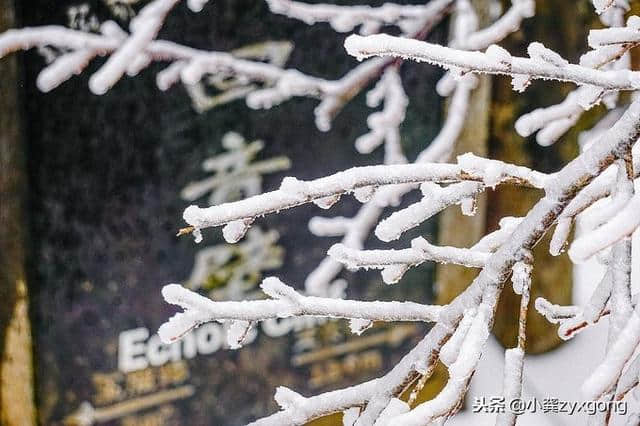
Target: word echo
point(137, 349)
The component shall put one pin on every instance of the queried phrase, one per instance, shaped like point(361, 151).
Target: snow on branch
point(357, 229)
point(326, 191)
point(628, 35)
point(573, 319)
point(285, 302)
point(543, 63)
point(607, 374)
point(556, 120)
point(370, 19)
point(395, 262)
point(320, 281)
point(574, 176)
point(435, 199)
point(619, 226)
point(129, 53)
point(603, 6)
point(144, 28)
point(588, 200)
point(508, 23)
point(385, 124)
point(460, 372)
point(187, 65)
point(514, 357)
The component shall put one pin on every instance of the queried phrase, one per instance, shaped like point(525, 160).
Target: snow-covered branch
point(514, 357)
point(552, 122)
point(144, 28)
point(326, 191)
point(385, 124)
point(344, 19)
point(435, 199)
point(395, 262)
point(619, 226)
point(187, 65)
point(508, 23)
point(285, 302)
point(543, 63)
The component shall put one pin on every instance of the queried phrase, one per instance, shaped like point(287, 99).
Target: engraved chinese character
point(173, 373)
point(107, 388)
point(230, 271)
point(142, 381)
point(234, 174)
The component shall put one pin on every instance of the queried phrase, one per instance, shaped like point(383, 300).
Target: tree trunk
point(16, 368)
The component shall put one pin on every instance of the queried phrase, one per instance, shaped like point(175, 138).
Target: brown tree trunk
point(563, 29)
point(490, 130)
point(16, 368)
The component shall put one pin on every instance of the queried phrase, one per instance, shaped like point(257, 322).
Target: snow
point(394, 408)
point(401, 221)
point(196, 5)
point(63, 68)
point(556, 120)
point(512, 385)
point(558, 373)
point(394, 273)
point(350, 416)
point(144, 29)
point(394, 263)
point(384, 125)
point(521, 277)
point(451, 350)
point(358, 326)
point(560, 235)
point(602, 5)
point(294, 192)
point(237, 332)
point(538, 51)
point(234, 231)
point(621, 225)
point(508, 23)
point(607, 373)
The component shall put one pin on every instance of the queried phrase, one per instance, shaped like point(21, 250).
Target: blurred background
point(93, 189)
